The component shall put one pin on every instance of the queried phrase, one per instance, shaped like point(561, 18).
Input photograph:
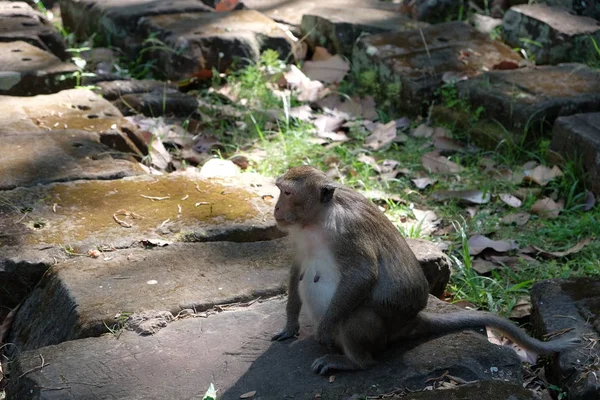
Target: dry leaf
point(590, 201)
point(332, 379)
point(542, 174)
point(303, 113)
point(363, 158)
point(422, 130)
point(519, 219)
point(328, 123)
point(506, 64)
point(524, 355)
point(511, 200)
point(557, 254)
point(248, 395)
point(422, 183)
point(426, 222)
point(226, 5)
point(332, 70)
point(434, 162)
point(321, 54)
point(521, 309)
point(523, 193)
point(483, 266)
point(478, 243)
point(470, 196)
point(546, 208)
point(446, 145)
point(334, 136)
point(381, 137)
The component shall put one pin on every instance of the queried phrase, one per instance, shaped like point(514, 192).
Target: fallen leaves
point(331, 70)
point(479, 243)
point(469, 196)
point(382, 136)
point(511, 200)
point(547, 208)
point(434, 162)
point(541, 174)
point(558, 254)
point(518, 219)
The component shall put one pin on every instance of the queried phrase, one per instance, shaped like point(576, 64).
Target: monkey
point(358, 280)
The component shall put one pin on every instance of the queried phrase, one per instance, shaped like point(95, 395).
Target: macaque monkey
point(358, 280)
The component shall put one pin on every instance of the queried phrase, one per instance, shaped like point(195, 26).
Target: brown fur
point(356, 257)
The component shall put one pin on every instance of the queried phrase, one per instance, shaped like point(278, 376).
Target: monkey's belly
point(317, 287)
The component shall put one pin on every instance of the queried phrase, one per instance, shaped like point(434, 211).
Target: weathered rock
point(35, 158)
point(112, 90)
point(232, 350)
point(176, 207)
point(571, 308)
point(337, 29)
point(435, 264)
point(551, 34)
point(587, 8)
point(488, 390)
point(18, 21)
point(160, 101)
point(26, 70)
point(530, 99)
point(116, 20)
point(578, 136)
point(410, 70)
point(100, 60)
point(78, 109)
point(202, 41)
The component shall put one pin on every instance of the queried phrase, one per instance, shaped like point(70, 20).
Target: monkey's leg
point(358, 336)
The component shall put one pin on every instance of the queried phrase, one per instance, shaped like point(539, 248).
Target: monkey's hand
point(291, 330)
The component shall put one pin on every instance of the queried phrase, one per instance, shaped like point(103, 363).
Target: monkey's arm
point(292, 326)
point(353, 290)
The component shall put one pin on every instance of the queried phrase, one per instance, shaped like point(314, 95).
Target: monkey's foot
point(286, 334)
point(325, 364)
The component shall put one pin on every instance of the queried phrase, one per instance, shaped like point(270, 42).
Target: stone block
point(528, 100)
point(18, 21)
point(588, 8)
point(571, 308)
point(26, 70)
point(36, 158)
point(116, 20)
point(337, 29)
point(202, 41)
point(551, 34)
point(233, 351)
point(410, 65)
point(578, 138)
point(77, 109)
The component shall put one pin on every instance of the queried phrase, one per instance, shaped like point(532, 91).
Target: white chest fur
point(320, 276)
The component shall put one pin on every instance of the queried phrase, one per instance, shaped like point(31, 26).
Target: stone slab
point(35, 158)
point(18, 21)
point(189, 208)
point(202, 41)
point(78, 109)
point(410, 72)
point(232, 350)
point(26, 70)
point(530, 99)
point(551, 34)
point(112, 90)
point(571, 306)
point(337, 29)
point(488, 390)
point(117, 20)
point(586, 8)
point(158, 102)
point(578, 137)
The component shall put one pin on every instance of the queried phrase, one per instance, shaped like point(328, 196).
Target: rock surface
point(551, 34)
point(232, 350)
point(411, 70)
point(26, 70)
point(579, 136)
point(571, 308)
point(59, 156)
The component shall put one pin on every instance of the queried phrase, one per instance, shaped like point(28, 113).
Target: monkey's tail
point(430, 323)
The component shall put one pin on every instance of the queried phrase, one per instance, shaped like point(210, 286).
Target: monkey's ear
point(327, 193)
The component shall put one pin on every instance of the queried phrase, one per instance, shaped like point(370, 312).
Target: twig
point(35, 368)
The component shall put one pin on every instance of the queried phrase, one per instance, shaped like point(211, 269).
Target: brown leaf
point(365, 159)
point(332, 379)
point(478, 243)
point(511, 200)
point(321, 54)
point(446, 145)
point(422, 183)
point(382, 137)
point(423, 131)
point(519, 219)
point(363, 107)
point(303, 113)
point(332, 70)
point(557, 254)
point(482, 267)
point(546, 208)
point(248, 395)
point(542, 174)
point(328, 123)
point(434, 162)
point(523, 193)
point(334, 136)
point(521, 309)
point(470, 196)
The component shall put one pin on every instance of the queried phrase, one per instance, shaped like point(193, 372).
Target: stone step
point(579, 136)
point(337, 29)
point(528, 100)
point(551, 35)
point(571, 308)
point(233, 351)
point(27, 70)
point(21, 22)
point(28, 159)
point(410, 65)
point(78, 109)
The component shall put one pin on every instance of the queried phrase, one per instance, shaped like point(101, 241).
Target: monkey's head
point(305, 193)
